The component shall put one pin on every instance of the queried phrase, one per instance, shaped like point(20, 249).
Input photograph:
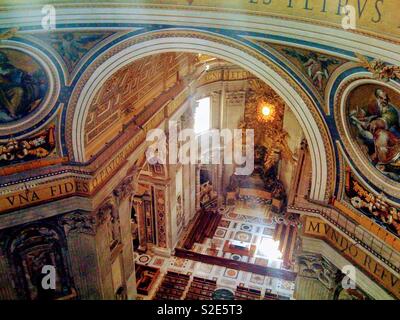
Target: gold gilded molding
point(374, 18)
point(379, 69)
point(341, 203)
point(222, 74)
point(56, 189)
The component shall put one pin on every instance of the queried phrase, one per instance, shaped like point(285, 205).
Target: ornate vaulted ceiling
point(127, 92)
point(85, 76)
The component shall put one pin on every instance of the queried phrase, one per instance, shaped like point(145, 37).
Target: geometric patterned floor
point(252, 225)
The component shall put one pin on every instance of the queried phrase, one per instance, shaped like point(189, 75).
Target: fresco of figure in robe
point(373, 113)
point(23, 85)
point(318, 67)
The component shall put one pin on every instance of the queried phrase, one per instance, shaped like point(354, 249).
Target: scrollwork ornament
point(79, 222)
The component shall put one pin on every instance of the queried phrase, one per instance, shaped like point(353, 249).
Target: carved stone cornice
point(2, 244)
point(105, 211)
point(124, 189)
point(379, 69)
point(79, 222)
point(316, 266)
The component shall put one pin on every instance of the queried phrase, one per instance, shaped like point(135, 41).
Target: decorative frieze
point(235, 99)
point(316, 266)
point(36, 147)
point(161, 212)
point(79, 222)
point(105, 212)
point(379, 69)
point(124, 189)
point(374, 206)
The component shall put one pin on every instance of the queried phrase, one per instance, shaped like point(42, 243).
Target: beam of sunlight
point(202, 115)
point(270, 248)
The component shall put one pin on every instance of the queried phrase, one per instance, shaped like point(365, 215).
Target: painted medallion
point(23, 85)
point(373, 116)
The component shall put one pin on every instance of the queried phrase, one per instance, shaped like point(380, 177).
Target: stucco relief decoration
point(124, 189)
point(104, 212)
point(108, 214)
point(373, 119)
point(315, 266)
point(78, 222)
point(379, 69)
point(289, 219)
point(38, 146)
point(374, 206)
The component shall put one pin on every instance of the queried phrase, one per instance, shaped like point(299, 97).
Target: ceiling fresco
point(375, 207)
point(126, 93)
point(77, 104)
point(23, 85)
point(373, 116)
point(316, 66)
point(72, 46)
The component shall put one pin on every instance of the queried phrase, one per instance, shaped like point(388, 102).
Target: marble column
point(7, 290)
point(316, 278)
point(80, 230)
point(193, 191)
point(141, 220)
point(123, 194)
point(161, 210)
point(220, 189)
point(187, 191)
point(171, 211)
point(104, 253)
point(197, 179)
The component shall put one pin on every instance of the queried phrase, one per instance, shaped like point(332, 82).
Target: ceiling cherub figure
point(72, 47)
point(316, 66)
point(8, 34)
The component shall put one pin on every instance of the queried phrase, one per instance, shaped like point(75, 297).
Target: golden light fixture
point(266, 110)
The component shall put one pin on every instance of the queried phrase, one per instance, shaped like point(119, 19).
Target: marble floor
point(252, 224)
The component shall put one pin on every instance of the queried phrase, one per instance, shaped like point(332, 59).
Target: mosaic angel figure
point(72, 47)
point(317, 66)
